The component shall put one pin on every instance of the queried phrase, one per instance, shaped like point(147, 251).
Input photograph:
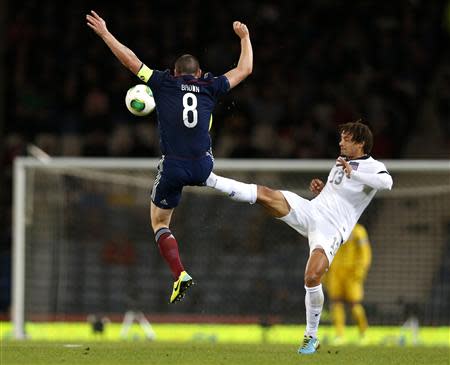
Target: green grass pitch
point(154, 353)
point(67, 343)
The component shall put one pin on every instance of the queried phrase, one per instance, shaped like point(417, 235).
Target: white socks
point(234, 189)
point(314, 305)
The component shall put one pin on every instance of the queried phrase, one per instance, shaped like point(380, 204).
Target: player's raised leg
point(273, 201)
point(315, 269)
point(168, 248)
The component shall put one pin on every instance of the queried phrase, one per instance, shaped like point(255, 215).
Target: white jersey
point(343, 199)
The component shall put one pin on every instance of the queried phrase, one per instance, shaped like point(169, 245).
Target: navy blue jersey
point(184, 106)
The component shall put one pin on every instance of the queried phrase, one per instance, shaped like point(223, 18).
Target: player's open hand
point(95, 22)
point(342, 162)
point(240, 29)
point(316, 186)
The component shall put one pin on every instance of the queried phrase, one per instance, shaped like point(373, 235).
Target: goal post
point(81, 241)
point(18, 249)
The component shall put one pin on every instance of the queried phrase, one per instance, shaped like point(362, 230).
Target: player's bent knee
point(312, 279)
point(273, 201)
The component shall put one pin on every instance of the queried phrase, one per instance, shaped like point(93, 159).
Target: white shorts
point(306, 219)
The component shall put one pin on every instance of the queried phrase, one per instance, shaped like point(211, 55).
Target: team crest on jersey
point(354, 165)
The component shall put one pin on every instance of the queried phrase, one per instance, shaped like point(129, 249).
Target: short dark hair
point(360, 133)
point(187, 65)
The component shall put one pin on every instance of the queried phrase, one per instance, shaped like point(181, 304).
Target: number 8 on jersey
point(190, 105)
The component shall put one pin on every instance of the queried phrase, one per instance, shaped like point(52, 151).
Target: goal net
point(83, 244)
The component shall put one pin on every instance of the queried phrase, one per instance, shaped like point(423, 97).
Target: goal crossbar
point(270, 165)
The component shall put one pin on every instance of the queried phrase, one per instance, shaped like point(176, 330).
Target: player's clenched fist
point(240, 29)
point(316, 186)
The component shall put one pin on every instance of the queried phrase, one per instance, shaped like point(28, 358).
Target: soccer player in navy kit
point(184, 105)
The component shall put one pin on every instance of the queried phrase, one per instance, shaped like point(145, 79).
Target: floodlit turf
point(192, 353)
point(227, 333)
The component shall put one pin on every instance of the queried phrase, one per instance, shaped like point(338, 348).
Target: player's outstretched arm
point(123, 53)
point(379, 181)
point(245, 64)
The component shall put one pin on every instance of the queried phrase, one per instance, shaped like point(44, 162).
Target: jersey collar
point(364, 157)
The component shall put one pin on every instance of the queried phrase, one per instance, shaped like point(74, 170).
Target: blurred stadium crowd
point(316, 64)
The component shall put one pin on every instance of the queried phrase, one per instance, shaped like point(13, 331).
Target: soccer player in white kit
point(329, 218)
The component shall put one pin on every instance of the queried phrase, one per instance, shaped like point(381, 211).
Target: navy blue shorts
point(174, 174)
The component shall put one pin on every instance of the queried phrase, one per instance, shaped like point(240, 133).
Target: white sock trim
point(313, 289)
point(253, 193)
